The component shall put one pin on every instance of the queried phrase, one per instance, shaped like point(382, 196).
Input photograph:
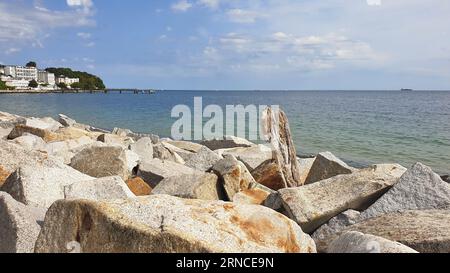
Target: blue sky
point(235, 44)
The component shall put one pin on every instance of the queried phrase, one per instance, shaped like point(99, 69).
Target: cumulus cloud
point(21, 23)
point(84, 35)
point(212, 4)
point(181, 6)
point(84, 5)
point(291, 52)
point(12, 50)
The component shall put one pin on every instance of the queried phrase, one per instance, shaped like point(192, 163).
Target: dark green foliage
point(31, 64)
point(87, 81)
point(3, 86)
point(75, 85)
point(33, 84)
point(62, 85)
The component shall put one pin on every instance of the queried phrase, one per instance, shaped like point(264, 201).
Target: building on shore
point(67, 81)
point(11, 82)
point(21, 72)
point(19, 77)
point(46, 78)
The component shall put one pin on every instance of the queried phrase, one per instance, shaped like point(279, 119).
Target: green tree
point(87, 81)
point(75, 85)
point(3, 86)
point(31, 64)
point(33, 84)
point(62, 85)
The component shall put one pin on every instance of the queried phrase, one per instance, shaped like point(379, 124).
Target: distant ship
point(406, 89)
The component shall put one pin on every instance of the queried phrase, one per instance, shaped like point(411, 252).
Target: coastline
point(49, 91)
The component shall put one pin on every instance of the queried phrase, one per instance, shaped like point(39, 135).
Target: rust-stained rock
point(111, 139)
point(3, 175)
point(165, 224)
point(68, 133)
point(278, 133)
point(251, 197)
point(426, 231)
point(313, 205)
point(61, 134)
point(138, 186)
point(234, 175)
point(270, 175)
point(20, 130)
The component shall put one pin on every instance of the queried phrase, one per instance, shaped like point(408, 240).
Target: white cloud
point(212, 4)
point(12, 50)
point(90, 44)
point(84, 35)
point(23, 24)
point(293, 52)
point(181, 6)
point(243, 16)
point(84, 5)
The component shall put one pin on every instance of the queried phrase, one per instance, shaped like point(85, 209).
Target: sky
point(235, 44)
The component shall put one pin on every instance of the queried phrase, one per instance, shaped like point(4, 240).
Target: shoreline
point(49, 92)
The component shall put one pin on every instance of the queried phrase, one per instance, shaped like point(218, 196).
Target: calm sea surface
point(360, 127)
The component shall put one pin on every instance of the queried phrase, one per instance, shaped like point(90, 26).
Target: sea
point(360, 127)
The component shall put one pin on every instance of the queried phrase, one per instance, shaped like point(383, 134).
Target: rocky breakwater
point(65, 183)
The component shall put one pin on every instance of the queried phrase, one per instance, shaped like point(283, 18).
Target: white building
point(21, 72)
point(46, 77)
point(2, 70)
point(67, 81)
point(18, 84)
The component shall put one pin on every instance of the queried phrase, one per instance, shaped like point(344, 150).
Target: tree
point(75, 85)
point(3, 86)
point(62, 85)
point(87, 81)
point(33, 84)
point(31, 64)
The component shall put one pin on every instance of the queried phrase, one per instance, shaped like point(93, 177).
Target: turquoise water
point(360, 127)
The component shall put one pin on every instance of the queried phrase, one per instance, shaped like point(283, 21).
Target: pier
point(60, 91)
point(132, 90)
